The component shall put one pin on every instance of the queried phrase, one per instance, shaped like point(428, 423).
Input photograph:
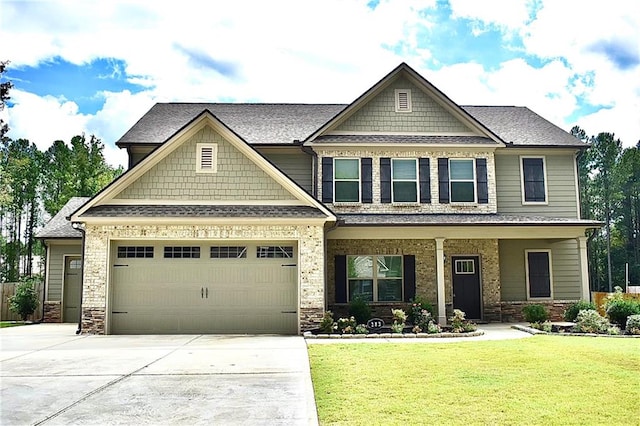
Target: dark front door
point(466, 285)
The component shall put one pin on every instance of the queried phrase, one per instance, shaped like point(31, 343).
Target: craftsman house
point(256, 218)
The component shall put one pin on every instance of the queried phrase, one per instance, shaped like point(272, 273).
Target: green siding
point(561, 187)
point(565, 263)
point(175, 177)
point(297, 166)
point(379, 115)
point(56, 266)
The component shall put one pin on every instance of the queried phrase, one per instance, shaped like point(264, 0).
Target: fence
point(600, 298)
point(8, 290)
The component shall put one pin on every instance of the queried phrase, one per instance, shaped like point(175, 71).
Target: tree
point(5, 86)
point(25, 300)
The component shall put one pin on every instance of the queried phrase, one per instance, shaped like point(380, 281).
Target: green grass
point(539, 380)
point(4, 324)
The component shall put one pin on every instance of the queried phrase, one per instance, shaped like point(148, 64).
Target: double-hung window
point(538, 271)
point(346, 178)
point(404, 180)
point(534, 189)
point(375, 278)
point(462, 180)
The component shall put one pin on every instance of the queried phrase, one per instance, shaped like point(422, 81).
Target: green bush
point(589, 321)
point(360, 310)
point(399, 317)
point(633, 324)
point(25, 300)
point(417, 305)
point(619, 310)
point(327, 324)
point(571, 313)
point(347, 325)
point(535, 313)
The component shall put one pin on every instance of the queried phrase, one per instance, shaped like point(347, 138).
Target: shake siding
point(297, 166)
point(561, 190)
point(56, 266)
point(175, 177)
point(379, 114)
point(565, 268)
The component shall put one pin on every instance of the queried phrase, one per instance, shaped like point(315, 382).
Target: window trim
point(375, 278)
point(544, 174)
point(214, 159)
point(409, 107)
point(359, 201)
point(526, 266)
point(416, 181)
point(474, 181)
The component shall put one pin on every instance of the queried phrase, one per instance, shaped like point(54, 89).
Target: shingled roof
point(59, 226)
point(206, 211)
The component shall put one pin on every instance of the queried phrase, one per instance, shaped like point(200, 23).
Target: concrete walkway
point(51, 376)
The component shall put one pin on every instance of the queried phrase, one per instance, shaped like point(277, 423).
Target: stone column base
point(310, 318)
point(93, 320)
point(52, 311)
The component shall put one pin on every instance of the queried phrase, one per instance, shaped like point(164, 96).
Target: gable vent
point(403, 100)
point(207, 161)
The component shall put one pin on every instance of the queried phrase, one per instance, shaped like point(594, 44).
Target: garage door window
point(230, 252)
point(135, 251)
point(182, 252)
point(265, 252)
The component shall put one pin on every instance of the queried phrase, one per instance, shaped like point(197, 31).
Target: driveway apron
point(50, 376)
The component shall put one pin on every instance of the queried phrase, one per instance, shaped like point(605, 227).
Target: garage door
point(181, 287)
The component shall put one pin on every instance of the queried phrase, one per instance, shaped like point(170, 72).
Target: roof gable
point(59, 226)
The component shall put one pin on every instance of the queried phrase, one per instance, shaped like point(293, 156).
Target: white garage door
point(182, 287)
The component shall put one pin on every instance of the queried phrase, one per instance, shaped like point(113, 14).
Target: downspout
point(79, 227)
point(44, 277)
point(314, 168)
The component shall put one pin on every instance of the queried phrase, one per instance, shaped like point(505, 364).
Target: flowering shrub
point(589, 321)
point(633, 324)
point(423, 320)
point(399, 317)
point(346, 325)
point(327, 325)
point(459, 324)
point(571, 313)
point(362, 329)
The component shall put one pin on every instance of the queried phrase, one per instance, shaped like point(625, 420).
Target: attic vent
point(207, 158)
point(403, 100)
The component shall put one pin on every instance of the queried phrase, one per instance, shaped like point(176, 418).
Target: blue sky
point(96, 67)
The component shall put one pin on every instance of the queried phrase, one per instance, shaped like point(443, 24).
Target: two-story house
point(256, 218)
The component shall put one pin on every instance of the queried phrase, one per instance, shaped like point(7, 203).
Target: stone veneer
point(426, 284)
point(97, 254)
point(512, 311)
point(52, 311)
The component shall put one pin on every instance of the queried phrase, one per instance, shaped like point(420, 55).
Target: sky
point(96, 67)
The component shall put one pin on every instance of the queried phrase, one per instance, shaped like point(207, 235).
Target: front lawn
point(5, 324)
point(538, 380)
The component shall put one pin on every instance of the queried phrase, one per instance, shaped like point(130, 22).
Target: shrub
point(423, 321)
point(571, 313)
point(589, 321)
point(360, 310)
point(399, 317)
point(618, 310)
point(418, 304)
point(25, 300)
point(346, 325)
point(535, 313)
point(633, 324)
point(362, 329)
point(327, 324)
point(459, 324)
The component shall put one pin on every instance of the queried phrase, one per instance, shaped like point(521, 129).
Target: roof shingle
point(59, 226)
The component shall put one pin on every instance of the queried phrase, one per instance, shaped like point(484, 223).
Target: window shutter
point(409, 265)
point(341, 278)
point(425, 180)
point(481, 181)
point(327, 179)
point(443, 180)
point(385, 180)
point(366, 179)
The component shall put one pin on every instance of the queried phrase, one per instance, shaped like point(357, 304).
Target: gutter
point(78, 226)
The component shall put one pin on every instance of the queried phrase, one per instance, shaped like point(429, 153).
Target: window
point(534, 189)
point(75, 264)
point(538, 265)
point(182, 252)
point(462, 180)
point(346, 177)
point(264, 252)
point(465, 266)
point(228, 252)
point(404, 180)
point(403, 100)
point(207, 158)
point(135, 251)
point(375, 278)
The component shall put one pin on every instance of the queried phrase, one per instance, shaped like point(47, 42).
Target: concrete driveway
point(51, 376)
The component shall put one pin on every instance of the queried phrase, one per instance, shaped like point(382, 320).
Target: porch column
point(584, 268)
point(442, 312)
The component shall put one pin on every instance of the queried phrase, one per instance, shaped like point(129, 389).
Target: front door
point(466, 285)
point(71, 297)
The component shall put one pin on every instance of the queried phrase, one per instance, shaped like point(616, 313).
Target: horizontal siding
point(56, 266)
point(561, 187)
point(565, 262)
point(297, 166)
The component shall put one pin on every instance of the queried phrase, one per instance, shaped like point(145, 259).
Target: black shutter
point(409, 265)
point(341, 278)
point(425, 180)
point(443, 180)
point(481, 180)
point(327, 179)
point(366, 180)
point(385, 180)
